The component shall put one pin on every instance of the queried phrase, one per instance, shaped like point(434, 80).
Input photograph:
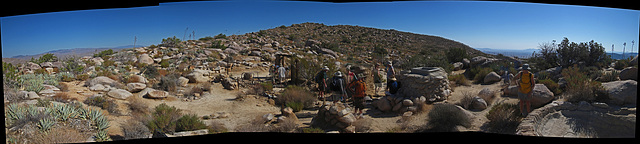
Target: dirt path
point(245, 111)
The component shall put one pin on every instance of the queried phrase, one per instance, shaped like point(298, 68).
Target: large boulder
point(541, 95)
point(182, 81)
point(629, 73)
point(622, 92)
point(430, 82)
point(492, 77)
point(135, 87)
point(101, 80)
point(197, 77)
point(137, 79)
point(119, 94)
point(145, 58)
point(478, 103)
point(153, 93)
point(97, 87)
point(228, 83)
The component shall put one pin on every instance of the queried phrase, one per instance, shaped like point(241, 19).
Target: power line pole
point(135, 38)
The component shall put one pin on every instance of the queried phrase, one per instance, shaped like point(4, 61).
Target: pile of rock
point(429, 82)
point(398, 104)
point(335, 115)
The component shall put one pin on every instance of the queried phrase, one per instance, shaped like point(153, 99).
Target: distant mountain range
point(526, 53)
point(64, 53)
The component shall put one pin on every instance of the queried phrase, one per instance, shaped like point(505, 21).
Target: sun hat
point(338, 74)
point(525, 67)
point(325, 68)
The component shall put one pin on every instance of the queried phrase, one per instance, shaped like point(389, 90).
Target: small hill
point(356, 41)
point(62, 54)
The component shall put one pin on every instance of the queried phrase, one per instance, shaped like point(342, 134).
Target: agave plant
point(46, 124)
point(64, 112)
point(14, 112)
point(102, 123)
point(102, 136)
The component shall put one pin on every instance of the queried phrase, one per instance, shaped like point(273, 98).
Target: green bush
point(581, 88)
point(296, 106)
point(445, 118)
point(459, 80)
point(164, 119)
point(102, 102)
point(189, 122)
point(456, 54)
point(552, 85)
point(479, 73)
point(503, 118)
point(49, 57)
point(104, 53)
point(164, 63)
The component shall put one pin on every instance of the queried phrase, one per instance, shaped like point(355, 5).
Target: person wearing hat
point(338, 87)
point(358, 89)
point(321, 79)
point(391, 73)
point(525, 88)
point(393, 86)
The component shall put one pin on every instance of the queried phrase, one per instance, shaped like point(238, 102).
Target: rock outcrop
point(430, 82)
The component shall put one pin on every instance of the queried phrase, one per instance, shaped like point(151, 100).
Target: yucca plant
point(102, 123)
point(46, 124)
point(102, 136)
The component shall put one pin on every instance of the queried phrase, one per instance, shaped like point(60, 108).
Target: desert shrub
point(610, 76)
point(581, 88)
point(257, 124)
point(456, 54)
point(552, 85)
point(459, 80)
point(189, 122)
point(168, 83)
point(296, 94)
point(542, 75)
point(134, 130)
point(621, 64)
point(49, 57)
point(61, 134)
point(216, 127)
point(164, 119)
point(445, 118)
point(9, 71)
point(312, 130)
point(296, 106)
point(171, 42)
point(467, 99)
point(103, 53)
point(164, 63)
point(150, 71)
point(82, 77)
point(287, 125)
point(267, 86)
point(102, 102)
point(479, 73)
point(363, 125)
point(63, 97)
point(193, 90)
point(503, 118)
point(137, 106)
point(31, 82)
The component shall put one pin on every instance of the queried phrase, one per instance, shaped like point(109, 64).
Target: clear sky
point(479, 24)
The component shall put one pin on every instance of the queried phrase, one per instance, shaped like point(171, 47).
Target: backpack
point(319, 77)
point(358, 88)
point(394, 87)
point(525, 82)
point(335, 84)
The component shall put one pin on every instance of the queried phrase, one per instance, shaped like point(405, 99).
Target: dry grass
point(134, 130)
point(217, 127)
point(60, 134)
point(136, 105)
point(467, 99)
point(63, 97)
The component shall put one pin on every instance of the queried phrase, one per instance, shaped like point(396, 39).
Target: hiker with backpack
point(338, 87)
point(321, 79)
point(358, 88)
point(391, 73)
point(525, 84)
point(393, 87)
point(377, 79)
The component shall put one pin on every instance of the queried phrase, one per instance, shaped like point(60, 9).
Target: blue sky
point(479, 24)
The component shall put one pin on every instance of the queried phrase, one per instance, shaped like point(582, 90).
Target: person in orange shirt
point(525, 88)
point(358, 88)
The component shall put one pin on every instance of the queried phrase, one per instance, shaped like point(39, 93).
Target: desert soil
point(243, 112)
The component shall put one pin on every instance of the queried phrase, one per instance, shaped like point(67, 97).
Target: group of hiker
point(352, 85)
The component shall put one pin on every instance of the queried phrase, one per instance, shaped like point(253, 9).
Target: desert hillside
point(226, 84)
